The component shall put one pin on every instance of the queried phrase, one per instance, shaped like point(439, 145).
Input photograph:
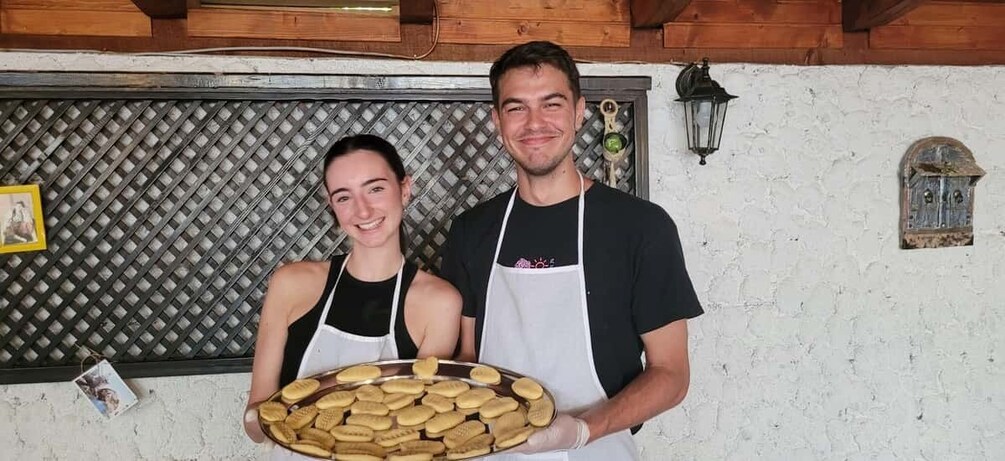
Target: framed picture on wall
point(106, 391)
point(22, 227)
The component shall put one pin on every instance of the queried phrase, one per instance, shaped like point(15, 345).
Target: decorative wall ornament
point(22, 227)
point(937, 179)
point(614, 142)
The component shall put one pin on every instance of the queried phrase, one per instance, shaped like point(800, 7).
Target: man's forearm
point(655, 390)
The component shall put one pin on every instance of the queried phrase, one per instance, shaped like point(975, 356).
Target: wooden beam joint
point(654, 13)
point(163, 9)
point(858, 15)
point(417, 11)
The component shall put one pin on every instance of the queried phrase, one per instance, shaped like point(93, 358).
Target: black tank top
point(361, 308)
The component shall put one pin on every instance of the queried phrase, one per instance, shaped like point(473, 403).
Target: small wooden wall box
point(937, 179)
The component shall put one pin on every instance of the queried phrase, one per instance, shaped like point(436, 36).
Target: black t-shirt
point(636, 280)
point(359, 307)
point(541, 237)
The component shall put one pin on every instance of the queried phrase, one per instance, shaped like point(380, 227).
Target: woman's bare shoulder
point(298, 284)
point(433, 291)
point(301, 271)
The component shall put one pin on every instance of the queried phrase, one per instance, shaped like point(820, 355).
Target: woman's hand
point(251, 426)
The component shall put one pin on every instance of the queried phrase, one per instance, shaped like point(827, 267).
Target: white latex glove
point(565, 433)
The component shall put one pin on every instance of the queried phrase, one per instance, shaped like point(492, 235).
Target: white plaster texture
point(821, 338)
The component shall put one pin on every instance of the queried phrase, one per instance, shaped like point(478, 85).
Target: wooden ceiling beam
point(648, 14)
point(163, 9)
point(858, 15)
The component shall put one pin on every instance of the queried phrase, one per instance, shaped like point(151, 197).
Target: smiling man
point(567, 280)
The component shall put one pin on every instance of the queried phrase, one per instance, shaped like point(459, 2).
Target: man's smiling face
point(537, 117)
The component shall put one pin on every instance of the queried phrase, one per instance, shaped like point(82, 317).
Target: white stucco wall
point(821, 339)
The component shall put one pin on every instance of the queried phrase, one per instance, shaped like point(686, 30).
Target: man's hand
point(565, 433)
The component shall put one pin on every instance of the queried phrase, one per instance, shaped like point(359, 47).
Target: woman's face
point(367, 198)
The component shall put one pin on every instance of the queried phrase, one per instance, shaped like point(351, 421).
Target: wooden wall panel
point(294, 24)
point(511, 32)
point(945, 25)
point(756, 24)
point(109, 18)
point(762, 11)
point(955, 14)
point(566, 22)
point(588, 37)
point(565, 10)
point(682, 35)
point(938, 37)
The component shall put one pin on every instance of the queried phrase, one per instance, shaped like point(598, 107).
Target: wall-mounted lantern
point(937, 179)
point(705, 105)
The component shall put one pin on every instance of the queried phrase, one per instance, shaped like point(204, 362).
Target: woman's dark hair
point(350, 144)
point(534, 54)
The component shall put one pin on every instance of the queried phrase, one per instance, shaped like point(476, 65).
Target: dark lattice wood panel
point(165, 217)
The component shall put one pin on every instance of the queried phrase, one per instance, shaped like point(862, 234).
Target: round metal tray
point(401, 369)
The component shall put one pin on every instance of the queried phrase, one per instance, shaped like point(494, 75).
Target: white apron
point(536, 323)
point(332, 348)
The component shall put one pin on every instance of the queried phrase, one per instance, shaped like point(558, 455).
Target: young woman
point(367, 305)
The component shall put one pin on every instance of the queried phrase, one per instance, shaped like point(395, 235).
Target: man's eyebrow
point(365, 183)
point(555, 95)
point(511, 101)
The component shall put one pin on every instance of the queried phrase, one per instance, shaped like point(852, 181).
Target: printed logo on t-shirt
point(535, 263)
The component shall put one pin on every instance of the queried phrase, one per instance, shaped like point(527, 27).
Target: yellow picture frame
point(22, 226)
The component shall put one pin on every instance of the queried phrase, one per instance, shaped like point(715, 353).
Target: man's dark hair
point(534, 54)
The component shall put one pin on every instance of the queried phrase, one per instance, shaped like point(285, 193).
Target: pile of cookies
point(407, 418)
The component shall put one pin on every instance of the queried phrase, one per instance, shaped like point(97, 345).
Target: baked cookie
point(527, 388)
point(474, 398)
point(449, 389)
point(496, 407)
point(426, 368)
point(358, 373)
point(462, 433)
point(336, 399)
point(298, 389)
point(272, 412)
point(485, 374)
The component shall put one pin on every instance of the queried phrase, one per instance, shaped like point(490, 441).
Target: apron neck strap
point(582, 208)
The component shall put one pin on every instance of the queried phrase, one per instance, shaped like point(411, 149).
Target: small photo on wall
point(106, 391)
point(22, 226)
